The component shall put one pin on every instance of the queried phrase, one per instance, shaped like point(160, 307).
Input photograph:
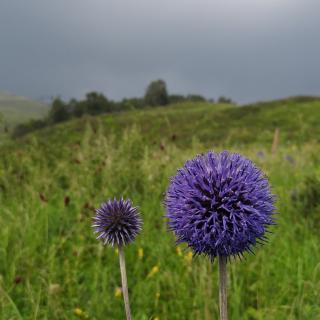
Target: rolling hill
point(15, 109)
point(211, 124)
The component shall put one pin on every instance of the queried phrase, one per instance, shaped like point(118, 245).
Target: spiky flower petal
point(117, 222)
point(220, 204)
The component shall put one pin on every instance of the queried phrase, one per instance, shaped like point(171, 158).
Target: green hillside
point(50, 181)
point(211, 124)
point(15, 109)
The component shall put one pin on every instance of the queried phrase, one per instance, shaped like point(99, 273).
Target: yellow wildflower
point(156, 318)
point(140, 253)
point(179, 251)
point(118, 292)
point(153, 271)
point(188, 257)
point(116, 250)
point(78, 312)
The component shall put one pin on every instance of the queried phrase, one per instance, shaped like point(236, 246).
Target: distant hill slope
point(213, 125)
point(15, 109)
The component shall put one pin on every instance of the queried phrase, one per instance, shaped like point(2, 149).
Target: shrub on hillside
point(223, 99)
point(196, 98)
point(177, 98)
point(129, 104)
point(24, 128)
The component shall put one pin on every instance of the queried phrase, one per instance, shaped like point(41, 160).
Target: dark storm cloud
point(246, 49)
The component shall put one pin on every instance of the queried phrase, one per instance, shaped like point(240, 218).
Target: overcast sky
point(245, 49)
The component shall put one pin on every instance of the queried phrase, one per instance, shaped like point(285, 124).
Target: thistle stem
point(223, 288)
point(124, 282)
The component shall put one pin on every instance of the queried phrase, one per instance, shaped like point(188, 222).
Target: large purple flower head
point(117, 222)
point(220, 204)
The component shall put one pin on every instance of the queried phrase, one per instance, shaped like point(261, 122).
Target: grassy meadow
point(52, 267)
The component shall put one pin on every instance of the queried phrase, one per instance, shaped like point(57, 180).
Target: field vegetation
point(52, 267)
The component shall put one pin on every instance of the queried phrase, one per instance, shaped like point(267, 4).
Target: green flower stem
point(223, 288)
point(124, 282)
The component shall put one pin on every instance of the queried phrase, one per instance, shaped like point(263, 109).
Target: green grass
point(50, 262)
point(15, 109)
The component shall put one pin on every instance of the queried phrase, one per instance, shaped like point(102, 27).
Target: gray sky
point(246, 49)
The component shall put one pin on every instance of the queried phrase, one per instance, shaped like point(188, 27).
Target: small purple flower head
point(117, 222)
point(220, 204)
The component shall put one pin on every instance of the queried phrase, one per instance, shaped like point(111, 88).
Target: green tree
point(59, 111)
point(79, 108)
point(156, 94)
point(97, 103)
point(224, 99)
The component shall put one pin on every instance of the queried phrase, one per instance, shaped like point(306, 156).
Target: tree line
point(96, 103)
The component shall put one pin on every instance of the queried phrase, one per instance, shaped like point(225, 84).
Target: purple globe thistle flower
point(117, 222)
point(220, 204)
